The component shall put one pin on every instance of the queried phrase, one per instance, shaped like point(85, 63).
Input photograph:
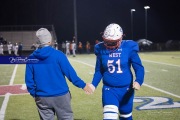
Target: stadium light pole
point(132, 10)
point(75, 23)
point(146, 8)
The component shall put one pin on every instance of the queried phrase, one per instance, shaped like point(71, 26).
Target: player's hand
point(136, 85)
point(92, 87)
point(89, 88)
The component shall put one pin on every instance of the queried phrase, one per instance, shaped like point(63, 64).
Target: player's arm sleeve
point(70, 73)
point(31, 86)
point(98, 68)
point(98, 72)
point(137, 65)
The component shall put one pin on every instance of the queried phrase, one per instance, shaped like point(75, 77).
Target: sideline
point(6, 99)
point(154, 88)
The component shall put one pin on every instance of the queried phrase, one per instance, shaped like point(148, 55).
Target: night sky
point(163, 17)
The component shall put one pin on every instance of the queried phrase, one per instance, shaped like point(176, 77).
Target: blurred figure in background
point(74, 48)
point(9, 47)
point(1, 49)
point(80, 47)
point(70, 47)
point(96, 41)
point(63, 46)
point(15, 49)
point(33, 47)
point(56, 45)
point(20, 48)
point(67, 48)
point(88, 47)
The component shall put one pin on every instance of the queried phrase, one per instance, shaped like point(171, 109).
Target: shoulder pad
point(98, 47)
point(131, 44)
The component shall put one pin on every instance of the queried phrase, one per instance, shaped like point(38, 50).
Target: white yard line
point(4, 106)
point(161, 63)
point(157, 89)
point(13, 75)
point(163, 91)
point(83, 63)
point(6, 98)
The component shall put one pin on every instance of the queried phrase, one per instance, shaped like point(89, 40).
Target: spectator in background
point(4, 42)
point(80, 47)
point(46, 82)
point(70, 47)
point(37, 45)
point(96, 41)
point(1, 39)
point(20, 48)
point(33, 47)
point(63, 47)
point(74, 48)
point(56, 45)
point(67, 48)
point(1, 49)
point(9, 47)
point(88, 47)
point(15, 49)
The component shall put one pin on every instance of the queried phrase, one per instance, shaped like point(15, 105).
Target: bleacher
point(24, 34)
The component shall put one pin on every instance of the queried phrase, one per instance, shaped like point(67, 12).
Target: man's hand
point(136, 85)
point(92, 87)
point(89, 88)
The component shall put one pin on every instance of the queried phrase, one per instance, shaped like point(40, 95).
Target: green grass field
point(158, 98)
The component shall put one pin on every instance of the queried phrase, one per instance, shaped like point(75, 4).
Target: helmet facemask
point(112, 44)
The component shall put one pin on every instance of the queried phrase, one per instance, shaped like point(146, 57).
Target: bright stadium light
point(132, 10)
point(146, 8)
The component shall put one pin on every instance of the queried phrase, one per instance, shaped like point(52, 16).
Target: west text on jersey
point(114, 55)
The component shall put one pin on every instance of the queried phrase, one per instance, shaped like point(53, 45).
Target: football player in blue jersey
point(114, 59)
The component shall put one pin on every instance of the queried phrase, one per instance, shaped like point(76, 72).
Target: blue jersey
point(114, 66)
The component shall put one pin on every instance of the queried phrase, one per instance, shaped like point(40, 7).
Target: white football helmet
point(112, 36)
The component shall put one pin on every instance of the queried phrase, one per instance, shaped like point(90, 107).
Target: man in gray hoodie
point(46, 81)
